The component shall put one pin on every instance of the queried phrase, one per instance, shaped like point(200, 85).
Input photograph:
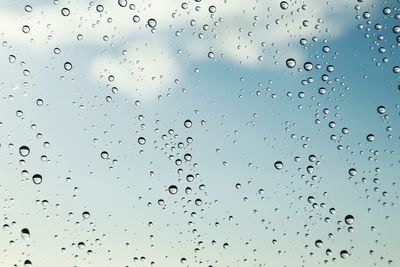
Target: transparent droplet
point(100, 8)
point(349, 219)
point(24, 151)
point(11, 59)
point(39, 102)
point(25, 234)
point(27, 263)
point(152, 23)
point(381, 109)
point(104, 155)
point(189, 178)
point(188, 123)
point(65, 12)
point(278, 165)
point(37, 179)
point(67, 66)
point(26, 29)
point(173, 189)
point(318, 243)
point(28, 8)
point(136, 18)
point(81, 245)
point(284, 5)
point(212, 9)
point(352, 172)
point(198, 202)
point(370, 137)
point(85, 215)
point(122, 3)
point(344, 254)
point(141, 140)
point(290, 63)
point(308, 66)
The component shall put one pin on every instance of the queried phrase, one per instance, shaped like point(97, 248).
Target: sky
point(84, 81)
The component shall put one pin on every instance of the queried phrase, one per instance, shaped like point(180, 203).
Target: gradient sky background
point(248, 110)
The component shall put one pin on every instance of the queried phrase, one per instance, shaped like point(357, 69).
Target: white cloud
point(242, 34)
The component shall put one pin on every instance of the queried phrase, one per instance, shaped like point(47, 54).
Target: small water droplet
point(67, 66)
point(104, 155)
point(290, 63)
point(381, 109)
point(173, 189)
point(141, 140)
point(370, 138)
point(24, 151)
point(85, 215)
point(278, 165)
point(284, 5)
point(349, 219)
point(65, 12)
point(152, 23)
point(188, 123)
point(25, 234)
point(37, 179)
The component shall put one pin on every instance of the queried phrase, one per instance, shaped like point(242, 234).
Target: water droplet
point(173, 189)
point(37, 179)
point(28, 8)
point(25, 234)
point(318, 243)
point(122, 3)
point(65, 12)
point(81, 245)
point(152, 23)
point(189, 178)
point(308, 66)
point(104, 155)
point(188, 123)
point(370, 137)
point(349, 219)
point(27, 263)
point(24, 151)
point(26, 29)
point(344, 254)
point(381, 109)
point(141, 140)
point(100, 8)
point(284, 5)
point(198, 202)
point(136, 18)
point(67, 66)
point(352, 172)
point(290, 63)
point(278, 165)
point(212, 9)
point(85, 215)
point(11, 59)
